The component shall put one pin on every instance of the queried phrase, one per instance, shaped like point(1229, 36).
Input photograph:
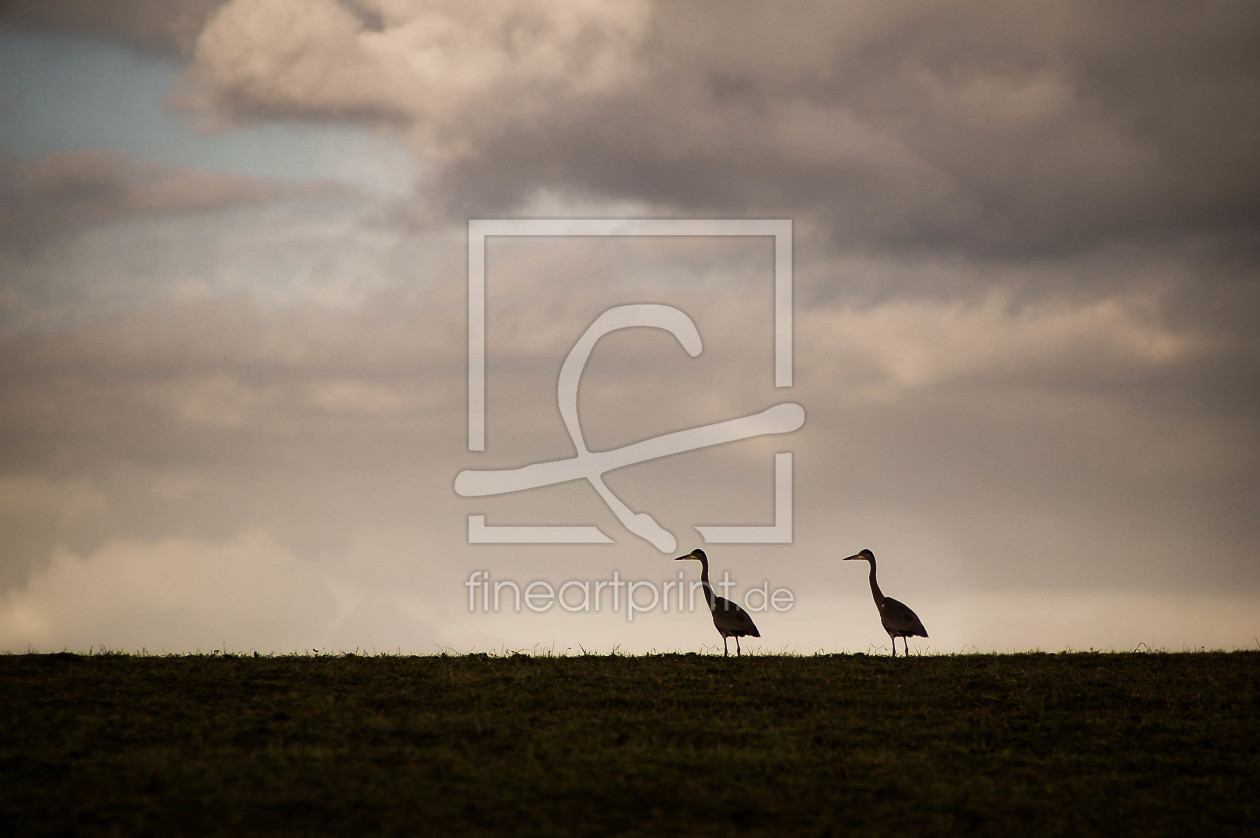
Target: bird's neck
point(875, 591)
point(709, 596)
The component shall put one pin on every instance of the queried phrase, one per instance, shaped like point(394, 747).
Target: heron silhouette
point(898, 619)
point(728, 618)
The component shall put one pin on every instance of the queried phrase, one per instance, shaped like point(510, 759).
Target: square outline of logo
point(480, 229)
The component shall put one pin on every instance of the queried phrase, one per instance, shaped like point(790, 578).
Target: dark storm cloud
point(985, 131)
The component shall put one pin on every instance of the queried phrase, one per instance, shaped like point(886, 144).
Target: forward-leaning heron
point(728, 618)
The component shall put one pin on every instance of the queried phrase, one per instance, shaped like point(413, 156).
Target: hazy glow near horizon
point(234, 275)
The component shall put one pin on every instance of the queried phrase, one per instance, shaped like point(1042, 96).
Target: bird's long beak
point(851, 558)
point(688, 556)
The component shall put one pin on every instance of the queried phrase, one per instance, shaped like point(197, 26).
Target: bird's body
point(898, 619)
point(728, 618)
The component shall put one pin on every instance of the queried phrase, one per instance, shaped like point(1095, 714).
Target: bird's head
point(696, 554)
point(862, 556)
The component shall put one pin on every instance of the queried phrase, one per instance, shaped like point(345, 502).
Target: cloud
point(178, 421)
point(441, 69)
point(32, 495)
point(914, 344)
point(175, 595)
point(980, 130)
point(60, 192)
point(992, 133)
point(990, 451)
point(164, 26)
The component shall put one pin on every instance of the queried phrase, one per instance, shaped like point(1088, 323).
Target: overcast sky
point(234, 318)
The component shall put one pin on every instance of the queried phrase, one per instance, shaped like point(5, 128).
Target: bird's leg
point(726, 649)
point(738, 652)
point(893, 638)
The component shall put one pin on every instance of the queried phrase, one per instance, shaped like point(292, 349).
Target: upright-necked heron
point(898, 619)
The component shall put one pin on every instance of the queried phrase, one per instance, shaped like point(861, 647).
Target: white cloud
point(441, 68)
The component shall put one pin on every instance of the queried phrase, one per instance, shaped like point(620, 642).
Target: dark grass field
point(673, 744)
